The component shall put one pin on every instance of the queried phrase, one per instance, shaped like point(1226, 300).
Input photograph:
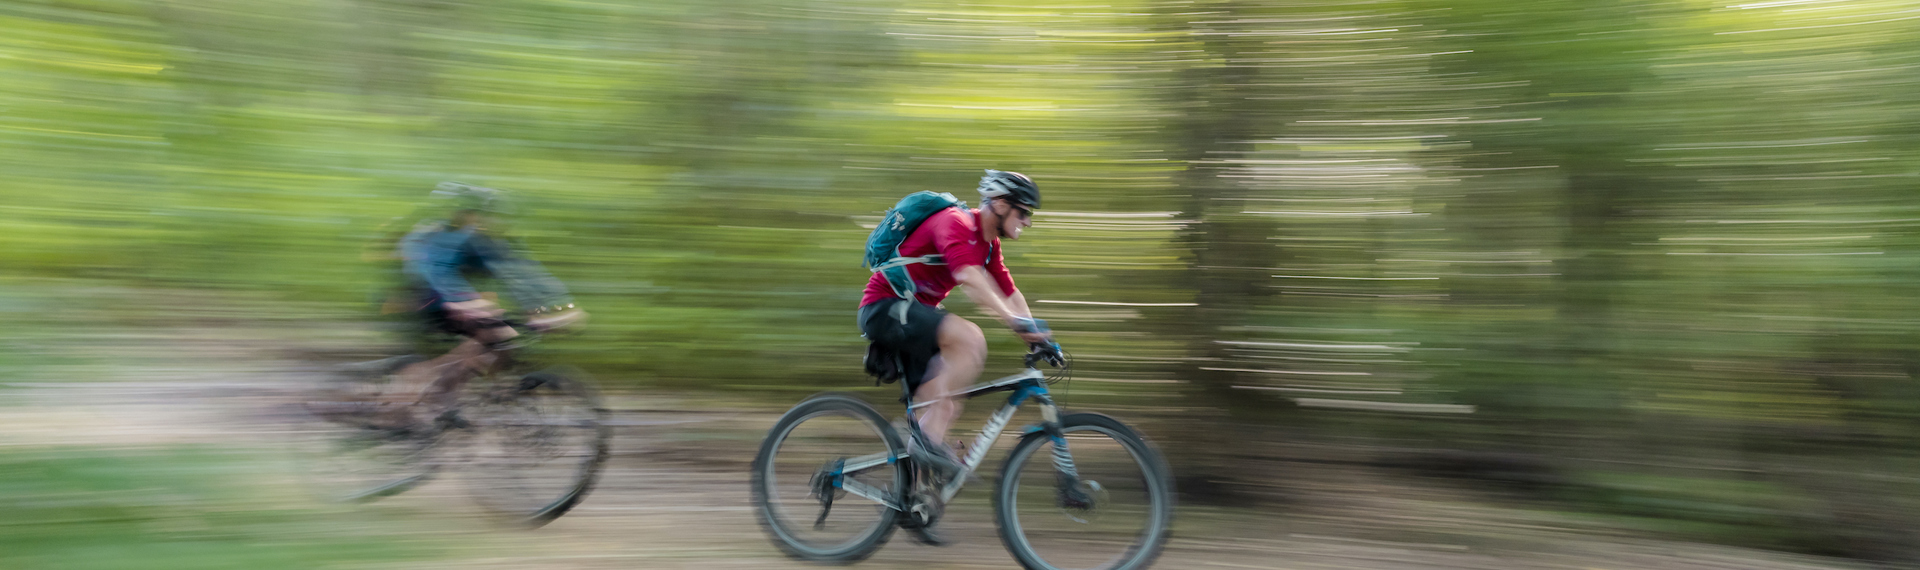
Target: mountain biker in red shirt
point(945, 352)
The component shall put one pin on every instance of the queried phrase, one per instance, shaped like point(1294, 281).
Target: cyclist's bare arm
point(981, 288)
point(1018, 302)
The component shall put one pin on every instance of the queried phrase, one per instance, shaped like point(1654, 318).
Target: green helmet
point(460, 196)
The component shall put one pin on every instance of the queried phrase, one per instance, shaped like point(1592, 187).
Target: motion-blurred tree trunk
point(1216, 117)
point(1571, 123)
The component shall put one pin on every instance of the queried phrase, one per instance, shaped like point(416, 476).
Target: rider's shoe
point(942, 459)
point(938, 464)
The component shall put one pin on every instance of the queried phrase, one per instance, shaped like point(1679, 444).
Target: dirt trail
point(674, 494)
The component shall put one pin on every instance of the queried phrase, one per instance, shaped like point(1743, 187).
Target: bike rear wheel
point(805, 468)
point(537, 443)
point(1127, 483)
point(353, 450)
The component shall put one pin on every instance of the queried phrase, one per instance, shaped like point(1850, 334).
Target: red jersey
point(954, 233)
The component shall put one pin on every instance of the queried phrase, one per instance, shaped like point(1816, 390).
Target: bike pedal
point(923, 513)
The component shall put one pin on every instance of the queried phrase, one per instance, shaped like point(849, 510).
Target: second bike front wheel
point(538, 443)
point(1121, 509)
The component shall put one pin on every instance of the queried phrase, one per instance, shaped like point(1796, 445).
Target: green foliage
point(73, 508)
point(1594, 225)
point(1748, 513)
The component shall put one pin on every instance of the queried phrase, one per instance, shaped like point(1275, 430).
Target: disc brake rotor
point(1097, 500)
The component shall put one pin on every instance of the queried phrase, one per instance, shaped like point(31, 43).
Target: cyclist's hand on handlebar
point(1049, 352)
point(552, 320)
point(1034, 331)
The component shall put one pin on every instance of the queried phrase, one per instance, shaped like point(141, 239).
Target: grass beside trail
point(98, 508)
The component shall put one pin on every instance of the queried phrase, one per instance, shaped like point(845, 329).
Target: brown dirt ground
point(674, 494)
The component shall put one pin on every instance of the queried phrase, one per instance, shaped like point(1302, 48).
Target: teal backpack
point(883, 245)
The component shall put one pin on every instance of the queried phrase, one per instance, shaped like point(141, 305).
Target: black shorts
point(914, 331)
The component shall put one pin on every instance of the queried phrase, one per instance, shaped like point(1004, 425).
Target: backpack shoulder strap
point(929, 259)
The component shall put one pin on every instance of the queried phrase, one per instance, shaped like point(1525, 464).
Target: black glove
point(1048, 352)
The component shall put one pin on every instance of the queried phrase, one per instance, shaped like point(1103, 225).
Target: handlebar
point(531, 331)
point(1048, 352)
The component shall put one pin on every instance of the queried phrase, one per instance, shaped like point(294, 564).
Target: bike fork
point(1068, 476)
point(1062, 458)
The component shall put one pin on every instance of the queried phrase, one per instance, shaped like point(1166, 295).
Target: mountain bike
point(532, 439)
point(1103, 500)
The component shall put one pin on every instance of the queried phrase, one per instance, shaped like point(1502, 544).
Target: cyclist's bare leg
point(413, 382)
point(478, 358)
point(432, 381)
point(963, 354)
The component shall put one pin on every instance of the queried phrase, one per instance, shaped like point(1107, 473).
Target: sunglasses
point(1022, 212)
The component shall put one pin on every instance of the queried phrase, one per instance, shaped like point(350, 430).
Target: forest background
point(1654, 260)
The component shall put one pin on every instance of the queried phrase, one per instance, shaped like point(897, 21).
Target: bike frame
point(1027, 385)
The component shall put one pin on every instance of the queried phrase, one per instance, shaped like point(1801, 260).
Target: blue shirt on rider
point(437, 259)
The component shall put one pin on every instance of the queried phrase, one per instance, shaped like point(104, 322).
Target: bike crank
point(923, 510)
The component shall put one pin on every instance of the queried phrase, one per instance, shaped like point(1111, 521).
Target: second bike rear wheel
point(537, 443)
point(348, 451)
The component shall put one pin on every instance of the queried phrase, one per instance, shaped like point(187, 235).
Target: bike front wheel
point(537, 442)
point(825, 477)
point(1117, 515)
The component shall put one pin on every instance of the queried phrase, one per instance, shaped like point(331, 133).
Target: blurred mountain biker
point(437, 255)
point(945, 352)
